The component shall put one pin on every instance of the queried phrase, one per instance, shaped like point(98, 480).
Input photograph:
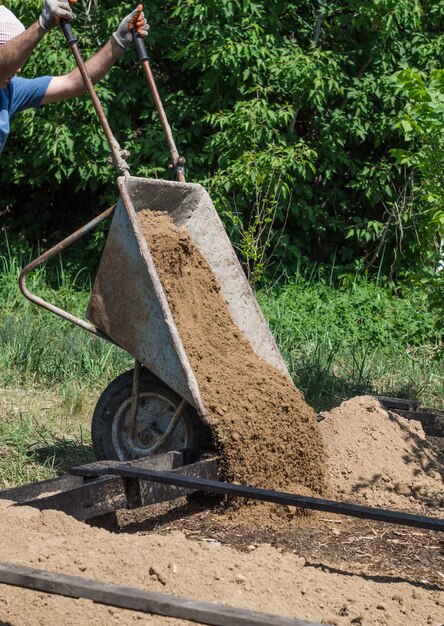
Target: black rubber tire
point(117, 394)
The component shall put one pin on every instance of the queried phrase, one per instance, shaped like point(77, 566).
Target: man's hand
point(54, 11)
point(136, 19)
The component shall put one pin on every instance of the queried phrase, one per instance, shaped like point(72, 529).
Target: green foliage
point(338, 341)
point(327, 69)
point(289, 105)
point(421, 125)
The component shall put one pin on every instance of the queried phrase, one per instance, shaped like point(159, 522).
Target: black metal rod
point(279, 497)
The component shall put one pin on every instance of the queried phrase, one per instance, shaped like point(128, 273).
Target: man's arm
point(15, 53)
point(72, 85)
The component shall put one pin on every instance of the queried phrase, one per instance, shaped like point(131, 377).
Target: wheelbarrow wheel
point(157, 405)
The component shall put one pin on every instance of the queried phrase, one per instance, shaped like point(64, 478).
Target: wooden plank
point(93, 498)
point(140, 600)
point(398, 403)
point(143, 493)
point(154, 493)
point(95, 469)
point(431, 421)
point(93, 491)
point(167, 461)
point(27, 492)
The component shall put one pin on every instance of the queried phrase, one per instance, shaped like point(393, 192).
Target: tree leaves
point(290, 105)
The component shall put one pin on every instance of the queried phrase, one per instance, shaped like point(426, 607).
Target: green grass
point(362, 338)
point(51, 374)
point(37, 347)
point(337, 341)
point(41, 436)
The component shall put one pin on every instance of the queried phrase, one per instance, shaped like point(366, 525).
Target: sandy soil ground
point(322, 568)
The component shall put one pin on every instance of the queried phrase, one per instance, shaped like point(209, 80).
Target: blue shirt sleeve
point(27, 93)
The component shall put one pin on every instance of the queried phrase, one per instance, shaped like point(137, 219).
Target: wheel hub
point(154, 414)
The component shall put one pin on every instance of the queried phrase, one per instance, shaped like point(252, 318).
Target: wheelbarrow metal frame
point(57, 249)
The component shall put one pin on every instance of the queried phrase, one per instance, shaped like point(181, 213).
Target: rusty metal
point(134, 403)
point(128, 302)
point(116, 151)
point(133, 448)
point(178, 162)
point(169, 430)
point(48, 255)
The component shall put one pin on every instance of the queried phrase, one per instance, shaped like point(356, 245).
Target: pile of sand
point(267, 434)
point(381, 459)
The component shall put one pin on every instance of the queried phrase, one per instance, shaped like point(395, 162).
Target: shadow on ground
point(63, 454)
point(325, 390)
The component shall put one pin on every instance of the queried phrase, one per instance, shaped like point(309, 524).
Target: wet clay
point(266, 433)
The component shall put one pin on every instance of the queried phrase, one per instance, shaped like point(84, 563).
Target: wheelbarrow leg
point(133, 415)
point(134, 399)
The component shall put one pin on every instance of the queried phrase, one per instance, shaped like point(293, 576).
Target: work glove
point(135, 19)
point(54, 11)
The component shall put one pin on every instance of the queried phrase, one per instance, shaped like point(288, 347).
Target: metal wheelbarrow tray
point(128, 303)
point(157, 406)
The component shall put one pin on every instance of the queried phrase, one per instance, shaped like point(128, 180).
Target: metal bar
point(131, 426)
point(279, 497)
point(178, 161)
point(116, 151)
point(134, 401)
point(62, 245)
point(138, 599)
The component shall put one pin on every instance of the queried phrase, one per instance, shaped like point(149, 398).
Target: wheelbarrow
point(157, 406)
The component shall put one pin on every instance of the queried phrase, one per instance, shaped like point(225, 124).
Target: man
point(18, 43)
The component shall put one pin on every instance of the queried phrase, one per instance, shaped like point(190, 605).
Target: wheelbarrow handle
point(116, 151)
point(68, 32)
point(139, 44)
point(178, 162)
